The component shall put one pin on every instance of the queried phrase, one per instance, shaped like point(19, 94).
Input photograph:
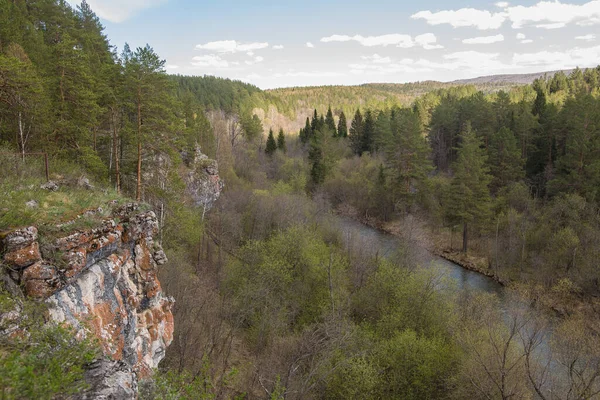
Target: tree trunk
point(465, 238)
point(138, 193)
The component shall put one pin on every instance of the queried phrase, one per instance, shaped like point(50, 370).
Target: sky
point(308, 43)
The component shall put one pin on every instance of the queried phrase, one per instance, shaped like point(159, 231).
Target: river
point(386, 244)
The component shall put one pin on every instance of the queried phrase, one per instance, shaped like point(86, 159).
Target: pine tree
point(330, 122)
point(469, 200)
point(150, 89)
point(368, 144)
point(317, 163)
point(281, 141)
point(407, 153)
point(271, 146)
point(306, 133)
point(356, 134)
point(314, 123)
point(505, 161)
point(342, 126)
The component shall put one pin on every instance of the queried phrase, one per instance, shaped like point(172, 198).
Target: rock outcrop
point(102, 282)
point(203, 183)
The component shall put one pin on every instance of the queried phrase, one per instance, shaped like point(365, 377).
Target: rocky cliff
point(102, 282)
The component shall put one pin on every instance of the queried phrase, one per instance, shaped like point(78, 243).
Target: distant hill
point(515, 79)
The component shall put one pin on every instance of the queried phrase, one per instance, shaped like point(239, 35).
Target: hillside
point(508, 79)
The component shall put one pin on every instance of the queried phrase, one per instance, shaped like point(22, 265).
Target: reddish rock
point(38, 289)
point(76, 261)
point(23, 257)
point(40, 271)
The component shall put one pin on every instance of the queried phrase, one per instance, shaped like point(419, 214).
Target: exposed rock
point(203, 183)
point(32, 204)
point(50, 185)
point(109, 380)
point(84, 182)
point(103, 283)
point(23, 257)
point(19, 238)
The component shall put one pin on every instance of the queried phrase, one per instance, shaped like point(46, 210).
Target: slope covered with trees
point(273, 300)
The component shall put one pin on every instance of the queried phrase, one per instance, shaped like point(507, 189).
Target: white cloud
point(171, 66)
point(587, 38)
point(549, 14)
point(526, 41)
point(502, 4)
point(231, 46)
point(310, 45)
point(255, 60)
point(377, 59)
point(556, 25)
point(577, 57)
point(428, 41)
point(117, 10)
point(544, 14)
point(210, 60)
point(278, 47)
point(521, 36)
point(480, 19)
point(484, 39)
point(394, 39)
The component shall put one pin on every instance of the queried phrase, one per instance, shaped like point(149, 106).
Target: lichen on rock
point(102, 282)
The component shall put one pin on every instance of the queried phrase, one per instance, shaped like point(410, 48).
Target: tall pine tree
point(469, 198)
point(356, 134)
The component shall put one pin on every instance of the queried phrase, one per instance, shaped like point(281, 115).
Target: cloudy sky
point(300, 43)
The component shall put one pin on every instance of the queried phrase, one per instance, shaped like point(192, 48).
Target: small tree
point(271, 144)
point(330, 122)
point(281, 141)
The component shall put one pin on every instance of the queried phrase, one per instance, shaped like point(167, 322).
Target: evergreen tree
point(368, 144)
point(469, 200)
point(281, 141)
point(342, 126)
point(316, 160)
point(314, 123)
point(321, 123)
point(306, 133)
point(383, 129)
point(505, 160)
point(150, 92)
point(356, 134)
point(407, 155)
point(578, 167)
point(271, 146)
point(330, 122)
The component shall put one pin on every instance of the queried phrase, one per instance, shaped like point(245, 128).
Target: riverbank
point(415, 231)
point(562, 300)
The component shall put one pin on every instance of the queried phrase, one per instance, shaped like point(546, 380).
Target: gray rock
point(160, 257)
point(32, 204)
point(109, 380)
point(20, 238)
point(50, 185)
point(84, 182)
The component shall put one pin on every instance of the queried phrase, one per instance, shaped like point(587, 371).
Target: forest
point(274, 300)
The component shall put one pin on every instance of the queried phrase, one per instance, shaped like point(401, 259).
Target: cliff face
point(102, 282)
